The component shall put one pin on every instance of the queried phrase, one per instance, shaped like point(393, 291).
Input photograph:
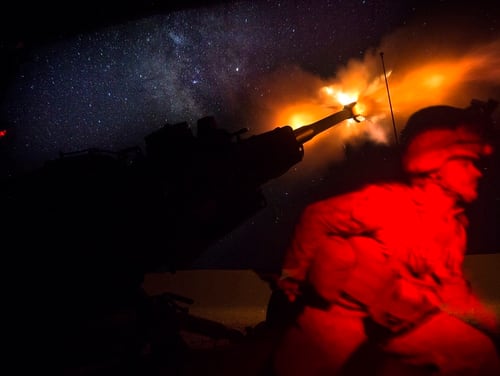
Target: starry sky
point(252, 64)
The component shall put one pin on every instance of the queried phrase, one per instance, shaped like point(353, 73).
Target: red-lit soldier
point(381, 267)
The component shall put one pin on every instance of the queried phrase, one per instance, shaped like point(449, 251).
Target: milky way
point(110, 87)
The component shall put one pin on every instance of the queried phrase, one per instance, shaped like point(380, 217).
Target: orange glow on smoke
point(433, 82)
point(452, 78)
point(3, 132)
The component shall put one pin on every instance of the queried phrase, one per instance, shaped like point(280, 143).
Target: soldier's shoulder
point(390, 189)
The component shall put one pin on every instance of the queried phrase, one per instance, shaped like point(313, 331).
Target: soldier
point(382, 266)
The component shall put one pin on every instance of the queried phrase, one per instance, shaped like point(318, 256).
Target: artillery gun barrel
point(307, 132)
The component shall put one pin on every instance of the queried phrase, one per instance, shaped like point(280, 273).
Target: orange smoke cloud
point(425, 76)
point(448, 66)
point(453, 79)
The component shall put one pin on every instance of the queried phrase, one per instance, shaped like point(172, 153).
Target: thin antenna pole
point(389, 96)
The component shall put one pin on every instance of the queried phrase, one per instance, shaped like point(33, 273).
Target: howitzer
point(104, 219)
point(85, 228)
point(223, 185)
point(170, 202)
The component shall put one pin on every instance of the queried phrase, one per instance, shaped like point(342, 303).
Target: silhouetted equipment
point(85, 228)
point(215, 178)
point(160, 208)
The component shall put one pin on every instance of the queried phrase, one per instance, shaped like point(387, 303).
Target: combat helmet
point(435, 134)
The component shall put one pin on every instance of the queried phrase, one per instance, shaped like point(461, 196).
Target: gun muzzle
point(307, 132)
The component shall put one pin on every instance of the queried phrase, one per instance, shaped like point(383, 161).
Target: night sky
point(253, 64)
